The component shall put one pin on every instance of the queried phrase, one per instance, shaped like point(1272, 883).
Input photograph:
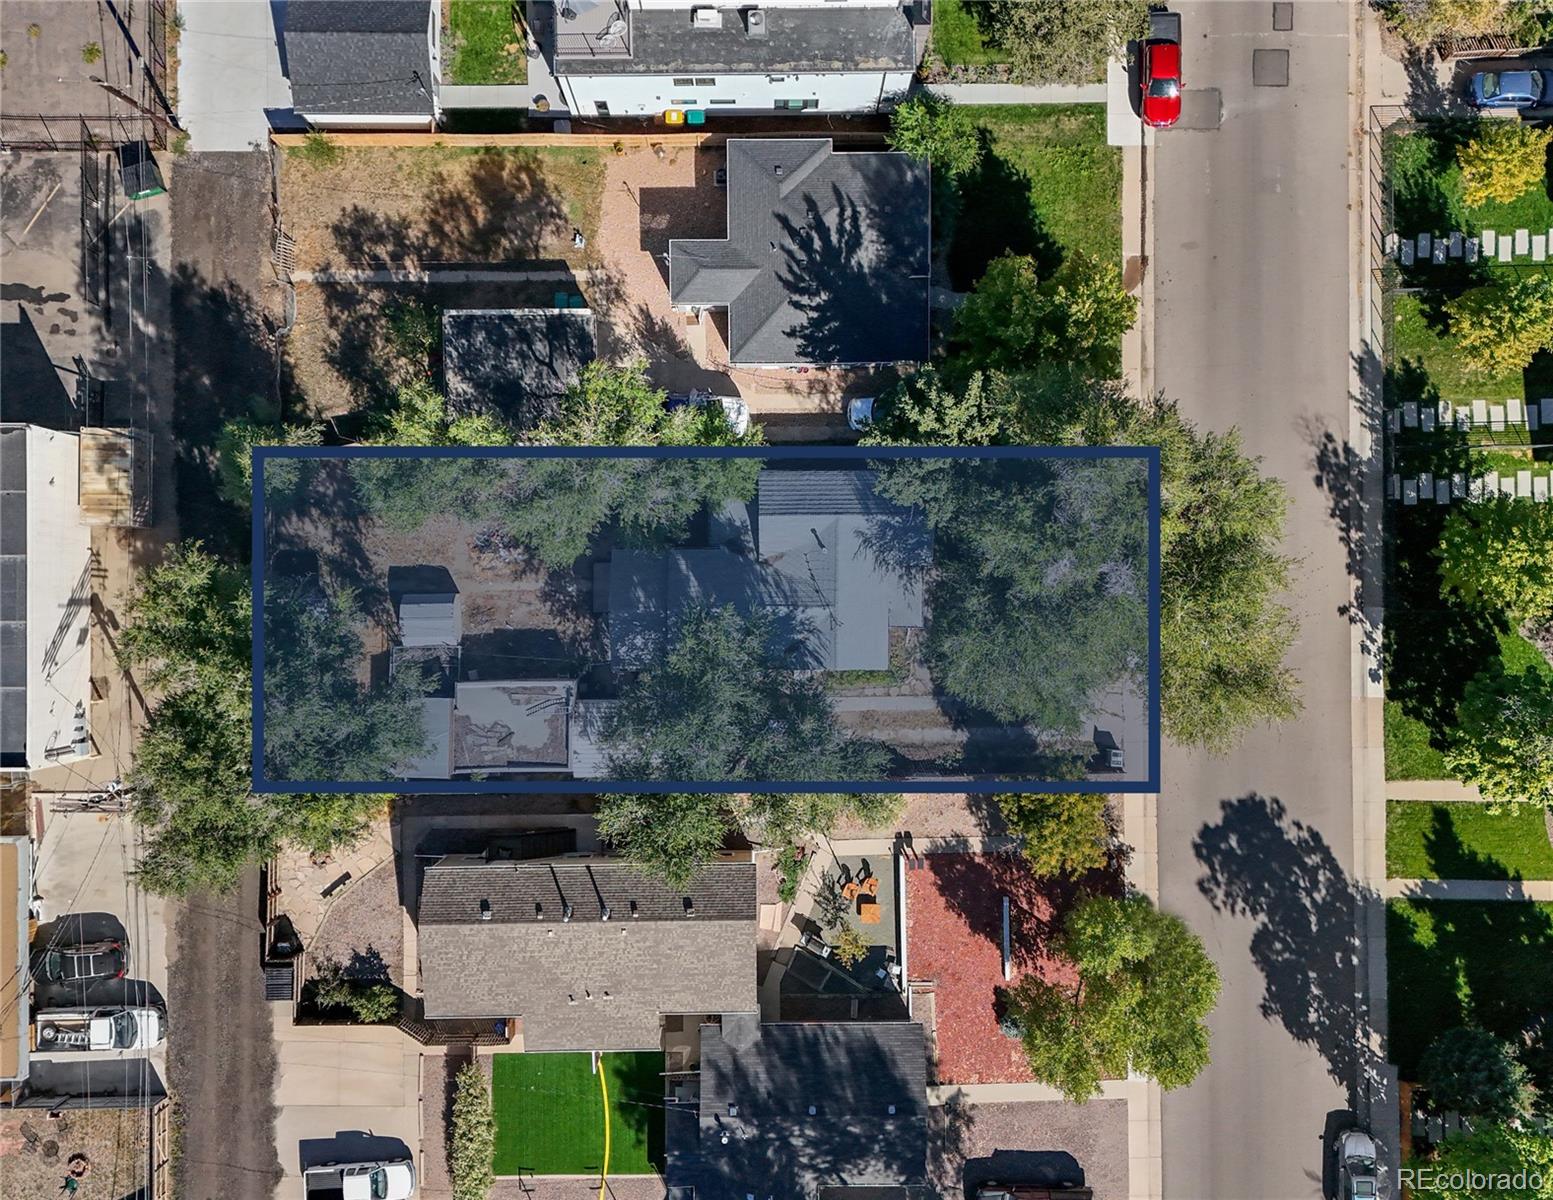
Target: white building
point(613, 58)
point(45, 600)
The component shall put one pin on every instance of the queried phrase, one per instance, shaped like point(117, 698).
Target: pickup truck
point(98, 1029)
point(360, 1181)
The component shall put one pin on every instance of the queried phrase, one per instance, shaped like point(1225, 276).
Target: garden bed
point(1462, 962)
point(1463, 840)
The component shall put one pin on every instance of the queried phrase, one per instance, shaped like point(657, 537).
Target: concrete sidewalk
point(1426, 790)
point(1470, 889)
point(1014, 93)
point(231, 88)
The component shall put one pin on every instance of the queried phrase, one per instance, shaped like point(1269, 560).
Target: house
point(588, 953)
point(613, 58)
point(45, 600)
point(836, 565)
point(826, 262)
point(514, 363)
point(791, 1111)
point(15, 936)
point(364, 64)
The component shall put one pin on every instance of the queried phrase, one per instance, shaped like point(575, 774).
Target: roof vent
point(892, 1110)
point(733, 1110)
point(813, 1110)
point(706, 18)
point(485, 910)
point(570, 998)
point(603, 911)
point(539, 911)
point(778, 170)
point(690, 906)
point(634, 911)
point(566, 910)
point(754, 23)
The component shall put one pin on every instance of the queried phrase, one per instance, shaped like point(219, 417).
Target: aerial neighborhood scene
point(817, 599)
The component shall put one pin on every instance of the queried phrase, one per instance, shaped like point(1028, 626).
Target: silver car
point(1360, 1175)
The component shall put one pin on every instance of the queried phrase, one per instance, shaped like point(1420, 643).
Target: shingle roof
point(759, 1095)
point(826, 259)
point(585, 983)
point(514, 363)
point(359, 56)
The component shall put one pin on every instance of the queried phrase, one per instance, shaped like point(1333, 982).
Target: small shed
point(430, 619)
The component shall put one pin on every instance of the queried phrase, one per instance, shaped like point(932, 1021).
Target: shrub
point(90, 53)
point(319, 150)
point(1503, 739)
point(473, 1137)
point(1472, 1072)
point(1499, 553)
point(1063, 42)
point(371, 1002)
point(1504, 161)
point(789, 864)
point(413, 329)
point(1060, 834)
point(850, 947)
point(934, 129)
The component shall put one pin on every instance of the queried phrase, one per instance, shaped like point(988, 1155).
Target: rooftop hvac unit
point(706, 18)
point(754, 23)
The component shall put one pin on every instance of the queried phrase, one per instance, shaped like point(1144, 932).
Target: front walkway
point(1470, 889)
point(1014, 93)
point(1428, 790)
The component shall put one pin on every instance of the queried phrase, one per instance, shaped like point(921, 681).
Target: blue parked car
point(1507, 89)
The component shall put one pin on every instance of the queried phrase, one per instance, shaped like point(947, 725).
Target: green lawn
point(1426, 186)
point(1409, 753)
point(1454, 962)
point(1464, 841)
point(549, 1113)
point(1047, 185)
point(957, 35)
point(479, 31)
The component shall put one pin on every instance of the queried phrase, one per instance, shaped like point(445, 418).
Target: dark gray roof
point(359, 56)
point(662, 41)
point(826, 259)
point(514, 363)
point(585, 983)
point(13, 596)
point(759, 1094)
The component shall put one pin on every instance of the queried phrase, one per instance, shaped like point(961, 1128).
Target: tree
point(1498, 553)
point(929, 127)
point(1144, 985)
point(1503, 737)
point(1472, 1072)
point(234, 454)
point(673, 836)
point(1012, 319)
point(472, 1139)
point(1499, 328)
point(370, 1001)
point(1493, 1160)
point(619, 406)
point(1063, 41)
point(1424, 22)
point(719, 702)
point(189, 620)
point(1223, 632)
point(1059, 834)
point(320, 721)
point(419, 416)
point(1503, 161)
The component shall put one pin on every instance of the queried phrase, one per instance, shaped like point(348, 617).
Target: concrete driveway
point(336, 1084)
point(231, 87)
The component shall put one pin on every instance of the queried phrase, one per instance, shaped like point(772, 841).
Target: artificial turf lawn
point(1462, 840)
point(1047, 185)
point(1464, 962)
point(478, 33)
point(548, 1114)
point(957, 35)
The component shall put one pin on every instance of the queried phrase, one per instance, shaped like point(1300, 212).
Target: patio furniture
point(850, 890)
point(868, 910)
point(871, 885)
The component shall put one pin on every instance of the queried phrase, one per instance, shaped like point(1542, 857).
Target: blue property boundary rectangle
point(1148, 454)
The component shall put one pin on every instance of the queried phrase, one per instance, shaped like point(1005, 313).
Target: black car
point(82, 963)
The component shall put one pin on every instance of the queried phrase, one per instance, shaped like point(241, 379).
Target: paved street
point(1251, 287)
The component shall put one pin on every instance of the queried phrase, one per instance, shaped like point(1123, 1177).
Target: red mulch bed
point(954, 935)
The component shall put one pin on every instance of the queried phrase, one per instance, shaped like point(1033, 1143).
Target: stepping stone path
point(1438, 249)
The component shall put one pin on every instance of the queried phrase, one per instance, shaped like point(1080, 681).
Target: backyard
point(485, 42)
point(550, 1113)
point(1463, 840)
point(1047, 185)
point(1456, 962)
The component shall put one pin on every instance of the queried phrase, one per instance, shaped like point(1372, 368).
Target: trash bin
point(674, 116)
point(696, 116)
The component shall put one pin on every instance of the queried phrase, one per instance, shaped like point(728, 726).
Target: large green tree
point(1223, 631)
point(720, 701)
point(1503, 737)
point(1066, 835)
point(1013, 319)
point(942, 133)
point(1475, 1073)
point(234, 455)
point(619, 406)
point(188, 636)
point(1501, 327)
point(1063, 41)
point(1503, 161)
point(419, 416)
point(1142, 989)
point(1498, 553)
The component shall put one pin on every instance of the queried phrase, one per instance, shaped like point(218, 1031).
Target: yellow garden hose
point(604, 1088)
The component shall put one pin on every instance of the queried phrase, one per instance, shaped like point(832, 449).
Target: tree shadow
point(1279, 873)
point(995, 216)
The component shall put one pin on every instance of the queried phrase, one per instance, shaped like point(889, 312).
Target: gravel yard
point(364, 929)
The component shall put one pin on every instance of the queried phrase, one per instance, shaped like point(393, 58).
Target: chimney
point(754, 23)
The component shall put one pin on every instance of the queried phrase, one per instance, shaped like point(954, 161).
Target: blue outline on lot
point(1150, 784)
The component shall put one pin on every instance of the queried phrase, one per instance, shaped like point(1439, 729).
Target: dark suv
point(83, 963)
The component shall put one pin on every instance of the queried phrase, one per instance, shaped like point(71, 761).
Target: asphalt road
point(1250, 277)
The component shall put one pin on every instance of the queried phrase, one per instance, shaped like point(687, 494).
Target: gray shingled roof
point(826, 259)
point(585, 983)
point(663, 41)
point(514, 363)
point(359, 56)
point(759, 1094)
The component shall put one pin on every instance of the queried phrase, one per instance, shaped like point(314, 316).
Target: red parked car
point(1161, 83)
